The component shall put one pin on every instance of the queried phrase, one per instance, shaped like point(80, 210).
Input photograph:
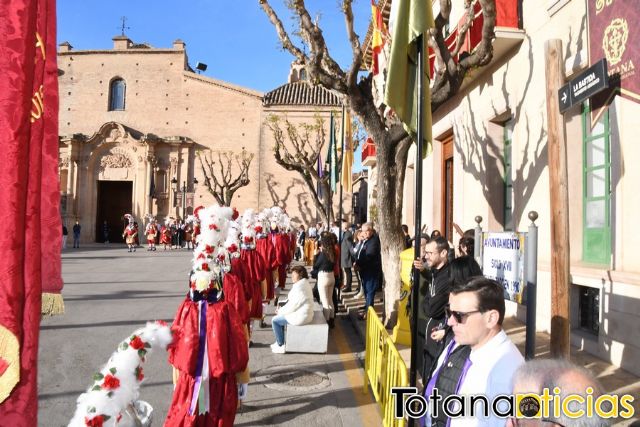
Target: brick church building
point(133, 118)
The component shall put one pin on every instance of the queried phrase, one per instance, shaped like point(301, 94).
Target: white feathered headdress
point(215, 246)
point(248, 229)
point(117, 385)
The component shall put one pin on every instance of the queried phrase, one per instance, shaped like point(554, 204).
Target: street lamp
point(183, 192)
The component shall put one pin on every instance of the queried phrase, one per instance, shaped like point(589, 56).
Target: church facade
point(134, 119)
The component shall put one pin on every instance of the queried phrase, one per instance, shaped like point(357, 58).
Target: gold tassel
point(52, 304)
point(10, 352)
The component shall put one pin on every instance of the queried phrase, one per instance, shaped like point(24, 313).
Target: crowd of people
point(241, 264)
point(338, 255)
point(465, 350)
point(173, 234)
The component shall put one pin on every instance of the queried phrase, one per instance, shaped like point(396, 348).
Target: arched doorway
point(114, 200)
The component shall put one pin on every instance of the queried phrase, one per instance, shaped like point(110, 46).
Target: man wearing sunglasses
point(435, 297)
point(475, 314)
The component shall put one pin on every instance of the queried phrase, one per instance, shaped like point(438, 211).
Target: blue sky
point(233, 37)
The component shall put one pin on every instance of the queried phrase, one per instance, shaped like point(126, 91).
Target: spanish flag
point(29, 200)
point(378, 38)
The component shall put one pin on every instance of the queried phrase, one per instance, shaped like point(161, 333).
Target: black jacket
point(368, 259)
point(322, 263)
point(433, 303)
point(437, 296)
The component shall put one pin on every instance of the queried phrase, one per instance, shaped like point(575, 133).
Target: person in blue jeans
point(297, 311)
point(368, 262)
point(76, 234)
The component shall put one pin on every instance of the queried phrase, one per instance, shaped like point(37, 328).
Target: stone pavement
point(109, 293)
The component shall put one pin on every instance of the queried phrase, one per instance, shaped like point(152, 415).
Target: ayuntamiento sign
point(503, 260)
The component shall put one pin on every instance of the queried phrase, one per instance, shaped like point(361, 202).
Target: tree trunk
point(391, 158)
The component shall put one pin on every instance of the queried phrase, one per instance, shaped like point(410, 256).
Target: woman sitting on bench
point(297, 311)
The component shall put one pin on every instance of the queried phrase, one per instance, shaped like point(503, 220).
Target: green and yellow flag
point(347, 155)
point(410, 19)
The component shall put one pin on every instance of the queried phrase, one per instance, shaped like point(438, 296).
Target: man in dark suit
point(369, 263)
point(346, 262)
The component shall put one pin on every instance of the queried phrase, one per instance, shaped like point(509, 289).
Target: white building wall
point(515, 86)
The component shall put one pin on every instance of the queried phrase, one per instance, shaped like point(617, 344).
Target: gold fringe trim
point(52, 304)
point(10, 352)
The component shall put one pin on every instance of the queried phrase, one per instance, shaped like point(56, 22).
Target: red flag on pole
point(29, 197)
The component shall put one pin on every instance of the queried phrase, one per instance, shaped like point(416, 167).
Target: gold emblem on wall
point(600, 4)
point(614, 40)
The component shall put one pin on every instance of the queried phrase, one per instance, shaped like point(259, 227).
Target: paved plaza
point(109, 293)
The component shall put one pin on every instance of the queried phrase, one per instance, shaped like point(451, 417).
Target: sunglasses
point(460, 316)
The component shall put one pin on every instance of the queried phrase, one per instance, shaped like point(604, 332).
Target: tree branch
point(356, 63)
point(224, 186)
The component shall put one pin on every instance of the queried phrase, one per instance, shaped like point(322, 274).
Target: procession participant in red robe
point(210, 345)
point(253, 262)
point(281, 245)
point(130, 233)
point(265, 248)
point(165, 233)
point(151, 232)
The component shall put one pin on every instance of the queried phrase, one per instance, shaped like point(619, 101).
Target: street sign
point(591, 81)
point(503, 256)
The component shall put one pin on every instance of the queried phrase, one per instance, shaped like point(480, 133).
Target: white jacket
point(299, 307)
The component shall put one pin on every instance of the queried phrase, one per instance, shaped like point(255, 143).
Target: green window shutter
point(596, 189)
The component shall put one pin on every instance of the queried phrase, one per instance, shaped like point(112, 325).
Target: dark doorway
point(114, 201)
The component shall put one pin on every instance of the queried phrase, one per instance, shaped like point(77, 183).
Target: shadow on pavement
point(124, 295)
point(100, 325)
point(297, 405)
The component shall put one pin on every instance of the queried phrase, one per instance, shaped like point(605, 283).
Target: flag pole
point(344, 134)
point(417, 218)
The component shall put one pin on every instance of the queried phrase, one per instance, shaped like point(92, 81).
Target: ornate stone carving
point(115, 161)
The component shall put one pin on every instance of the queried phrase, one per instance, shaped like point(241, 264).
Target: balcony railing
point(369, 153)
point(507, 31)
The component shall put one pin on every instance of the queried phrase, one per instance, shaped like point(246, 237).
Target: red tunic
point(234, 290)
point(227, 355)
point(151, 232)
point(283, 256)
point(165, 235)
point(265, 248)
point(254, 265)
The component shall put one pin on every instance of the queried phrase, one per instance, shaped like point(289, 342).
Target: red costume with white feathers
point(256, 273)
point(227, 354)
point(265, 248)
point(283, 255)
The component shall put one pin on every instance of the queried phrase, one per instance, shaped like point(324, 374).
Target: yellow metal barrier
point(384, 368)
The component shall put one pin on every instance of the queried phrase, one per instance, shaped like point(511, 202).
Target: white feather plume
point(124, 369)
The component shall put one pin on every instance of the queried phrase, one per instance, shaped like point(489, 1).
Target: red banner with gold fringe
point(614, 34)
point(29, 200)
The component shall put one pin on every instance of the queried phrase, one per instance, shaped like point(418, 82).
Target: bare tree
point(391, 140)
point(225, 172)
point(300, 154)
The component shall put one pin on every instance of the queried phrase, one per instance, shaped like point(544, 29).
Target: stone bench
point(309, 338)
